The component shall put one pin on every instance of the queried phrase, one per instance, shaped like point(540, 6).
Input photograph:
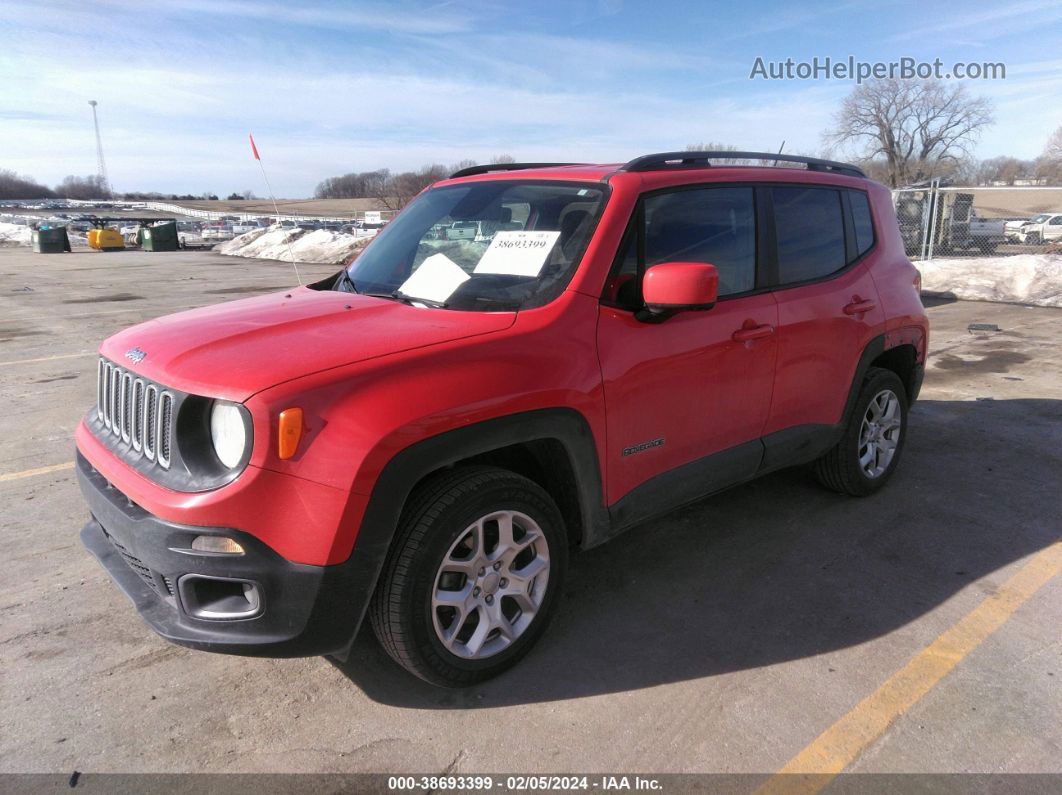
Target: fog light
point(216, 544)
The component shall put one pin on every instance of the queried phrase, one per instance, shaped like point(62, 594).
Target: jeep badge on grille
point(135, 355)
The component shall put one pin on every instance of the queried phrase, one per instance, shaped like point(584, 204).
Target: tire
point(459, 518)
point(841, 469)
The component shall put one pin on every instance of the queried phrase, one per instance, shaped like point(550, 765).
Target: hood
point(235, 349)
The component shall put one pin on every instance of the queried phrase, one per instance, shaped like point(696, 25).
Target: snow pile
point(1019, 279)
point(320, 245)
point(14, 235)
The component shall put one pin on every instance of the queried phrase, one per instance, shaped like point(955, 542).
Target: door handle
point(752, 333)
point(859, 307)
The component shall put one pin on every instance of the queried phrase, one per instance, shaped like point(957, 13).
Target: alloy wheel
point(879, 435)
point(490, 585)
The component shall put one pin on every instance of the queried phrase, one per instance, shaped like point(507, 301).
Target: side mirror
point(677, 286)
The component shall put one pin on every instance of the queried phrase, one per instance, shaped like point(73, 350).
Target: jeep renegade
point(423, 437)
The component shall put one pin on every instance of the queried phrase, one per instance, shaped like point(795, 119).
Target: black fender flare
point(408, 467)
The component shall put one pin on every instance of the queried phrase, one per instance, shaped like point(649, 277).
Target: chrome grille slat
point(126, 421)
point(165, 429)
point(116, 376)
point(151, 398)
point(101, 391)
point(137, 431)
point(106, 416)
point(135, 411)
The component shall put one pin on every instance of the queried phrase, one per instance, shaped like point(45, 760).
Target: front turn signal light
point(289, 432)
point(218, 545)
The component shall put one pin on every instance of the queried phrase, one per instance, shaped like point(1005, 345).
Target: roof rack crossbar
point(486, 169)
point(665, 160)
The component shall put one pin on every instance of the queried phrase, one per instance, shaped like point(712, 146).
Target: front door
point(686, 399)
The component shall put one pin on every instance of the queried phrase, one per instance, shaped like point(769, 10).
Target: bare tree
point(1005, 170)
point(1053, 150)
point(91, 187)
point(1049, 164)
point(360, 185)
point(460, 164)
point(499, 160)
point(400, 189)
point(712, 146)
point(919, 128)
point(12, 186)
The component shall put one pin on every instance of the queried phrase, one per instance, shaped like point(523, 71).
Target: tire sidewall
point(514, 494)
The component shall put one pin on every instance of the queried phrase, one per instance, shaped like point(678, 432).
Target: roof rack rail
point(665, 160)
point(473, 170)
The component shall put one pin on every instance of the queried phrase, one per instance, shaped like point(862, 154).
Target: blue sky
point(329, 88)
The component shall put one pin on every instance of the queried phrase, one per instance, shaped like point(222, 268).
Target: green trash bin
point(161, 237)
point(50, 240)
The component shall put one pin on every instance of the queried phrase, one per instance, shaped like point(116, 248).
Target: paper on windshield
point(435, 280)
point(517, 253)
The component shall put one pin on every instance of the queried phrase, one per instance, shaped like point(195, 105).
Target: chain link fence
point(937, 221)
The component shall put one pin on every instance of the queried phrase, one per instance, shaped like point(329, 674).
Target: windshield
point(482, 246)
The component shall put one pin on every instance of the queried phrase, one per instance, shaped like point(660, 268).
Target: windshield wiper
point(344, 277)
point(405, 298)
point(411, 299)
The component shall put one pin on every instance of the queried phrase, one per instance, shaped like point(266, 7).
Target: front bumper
point(294, 609)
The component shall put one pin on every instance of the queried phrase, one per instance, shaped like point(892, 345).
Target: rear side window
point(809, 227)
point(861, 220)
point(714, 225)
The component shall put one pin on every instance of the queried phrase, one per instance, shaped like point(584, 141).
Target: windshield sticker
point(435, 280)
point(517, 253)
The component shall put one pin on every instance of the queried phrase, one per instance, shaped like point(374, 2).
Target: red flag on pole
point(254, 148)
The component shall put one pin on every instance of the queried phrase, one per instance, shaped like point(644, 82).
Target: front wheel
point(469, 586)
point(870, 447)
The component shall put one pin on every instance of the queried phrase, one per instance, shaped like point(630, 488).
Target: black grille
point(134, 563)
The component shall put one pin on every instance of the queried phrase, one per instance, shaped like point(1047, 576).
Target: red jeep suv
point(424, 436)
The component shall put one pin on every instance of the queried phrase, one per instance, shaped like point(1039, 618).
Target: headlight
point(228, 433)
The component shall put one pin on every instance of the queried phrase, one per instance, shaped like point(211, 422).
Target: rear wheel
point(870, 447)
point(471, 582)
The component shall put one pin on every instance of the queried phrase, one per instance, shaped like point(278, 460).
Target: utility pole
point(101, 166)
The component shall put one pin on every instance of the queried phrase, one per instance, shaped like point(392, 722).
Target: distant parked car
point(217, 233)
point(243, 226)
point(1042, 229)
point(1012, 229)
point(462, 230)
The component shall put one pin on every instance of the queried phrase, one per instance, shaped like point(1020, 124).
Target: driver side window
point(711, 225)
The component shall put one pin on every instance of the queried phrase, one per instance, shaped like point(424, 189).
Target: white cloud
point(177, 102)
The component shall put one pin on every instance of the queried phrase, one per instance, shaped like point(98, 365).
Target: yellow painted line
point(48, 358)
point(841, 744)
point(28, 473)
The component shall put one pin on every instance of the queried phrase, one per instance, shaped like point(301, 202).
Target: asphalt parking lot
point(916, 630)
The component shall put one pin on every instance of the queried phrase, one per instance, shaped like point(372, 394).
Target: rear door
point(828, 309)
point(686, 399)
